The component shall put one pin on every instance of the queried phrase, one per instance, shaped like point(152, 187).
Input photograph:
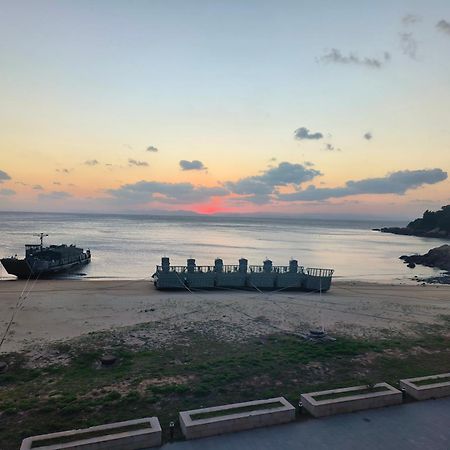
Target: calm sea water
point(129, 247)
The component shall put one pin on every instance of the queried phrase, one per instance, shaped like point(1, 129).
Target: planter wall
point(260, 417)
point(147, 436)
point(433, 389)
point(351, 402)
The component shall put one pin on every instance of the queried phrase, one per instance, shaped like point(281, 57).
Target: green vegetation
point(432, 381)
point(433, 220)
point(195, 371)
point(90, 434)
point(333, 395)
point(237, 410)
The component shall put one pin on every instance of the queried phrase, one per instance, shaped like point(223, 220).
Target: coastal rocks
point(434, 224)
point(438, 257)
point(406, 231)
point(3, 366)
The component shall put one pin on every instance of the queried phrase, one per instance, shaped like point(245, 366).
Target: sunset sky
point(289, 107)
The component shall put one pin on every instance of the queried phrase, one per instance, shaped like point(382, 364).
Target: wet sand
point(61, 309)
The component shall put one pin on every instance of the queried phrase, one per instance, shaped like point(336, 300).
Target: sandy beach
point(61, 309)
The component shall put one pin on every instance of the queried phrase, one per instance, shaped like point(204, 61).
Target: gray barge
point(241, 276)
point(45, 262)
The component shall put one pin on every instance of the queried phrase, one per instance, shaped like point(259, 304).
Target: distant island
point(433, 224)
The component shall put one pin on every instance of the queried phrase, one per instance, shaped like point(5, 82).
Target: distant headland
point(433, 224)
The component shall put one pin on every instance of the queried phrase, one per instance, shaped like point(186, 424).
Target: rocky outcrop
point(434, 224)
point(438, 257)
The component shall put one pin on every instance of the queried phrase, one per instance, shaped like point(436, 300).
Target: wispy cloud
point(336, 57)
point(303, 133)
point(394, 183)
point(54, 195)
point(4, 176)
point(64, 170)
point(7, 192)
point(151, 148)
point(410, 19)
point(443, 26)
point(91, 162)
point(172, 193)
point(134, 162)
point(331, 148)
point(408, 45)
point(261, 188)
point(192, 165)
point(38, 187)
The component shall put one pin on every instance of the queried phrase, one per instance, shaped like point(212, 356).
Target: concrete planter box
point(433, 388)
point(349, 400)
point(203, 280)
point(261, 280)
point(232, 279)
point(232, 421)
point(113, 436)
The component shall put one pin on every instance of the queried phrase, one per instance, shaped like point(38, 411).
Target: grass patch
point(431, 381)
point(90, 434)
point(195, 371)
point(237, 410)
point(335, 395)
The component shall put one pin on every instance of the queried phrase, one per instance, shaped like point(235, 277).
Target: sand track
point(61, 309)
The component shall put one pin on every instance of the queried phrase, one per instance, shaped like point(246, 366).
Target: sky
point(309, 108)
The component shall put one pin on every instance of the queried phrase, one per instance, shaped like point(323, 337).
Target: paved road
point(413, 426)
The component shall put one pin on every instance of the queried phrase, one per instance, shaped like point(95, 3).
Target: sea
point(130, 246)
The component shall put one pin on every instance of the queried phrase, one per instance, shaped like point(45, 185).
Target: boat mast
point(41, 237)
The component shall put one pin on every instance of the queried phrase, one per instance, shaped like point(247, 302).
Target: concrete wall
point(263, 280)
point(170, 280)
point(149, 436)
point(290, 280)
point(200, 280)
point(231, 280)
point(198, 428)
point(350, 403)
point(434, 389)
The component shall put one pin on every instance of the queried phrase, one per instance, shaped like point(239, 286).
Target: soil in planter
point(334, 395)
point(431, 381)
point(241, 409)
point(89, 435)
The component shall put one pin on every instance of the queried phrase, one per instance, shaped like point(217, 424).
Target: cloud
point(6, 191)
point(368, 136)
point(91, 162)
point(134, 162)
point(260, 188)
point(150, 148)
point(410, 19)
point(146, 191)
point(335, 56)
point(192, 165)
point(38, 187)
point(331, 148)
point(64, 170)
point(443, 26)
point(395, 183)
point(303, 133)
point(55, 195)
point(4, 176)
point(408, 45)
point(57, 183)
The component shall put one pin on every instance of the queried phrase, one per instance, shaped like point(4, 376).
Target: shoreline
point(56, 310)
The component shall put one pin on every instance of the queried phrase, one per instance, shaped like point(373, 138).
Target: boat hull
point(22, 268)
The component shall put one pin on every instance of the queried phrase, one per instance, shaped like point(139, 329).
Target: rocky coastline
point(438, 257)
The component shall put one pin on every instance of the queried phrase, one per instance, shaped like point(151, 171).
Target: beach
point(56, 310)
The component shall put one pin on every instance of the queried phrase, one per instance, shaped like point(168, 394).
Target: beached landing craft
point(43, 261)
point(241, 276)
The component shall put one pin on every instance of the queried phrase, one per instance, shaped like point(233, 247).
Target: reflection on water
point(131, 246)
